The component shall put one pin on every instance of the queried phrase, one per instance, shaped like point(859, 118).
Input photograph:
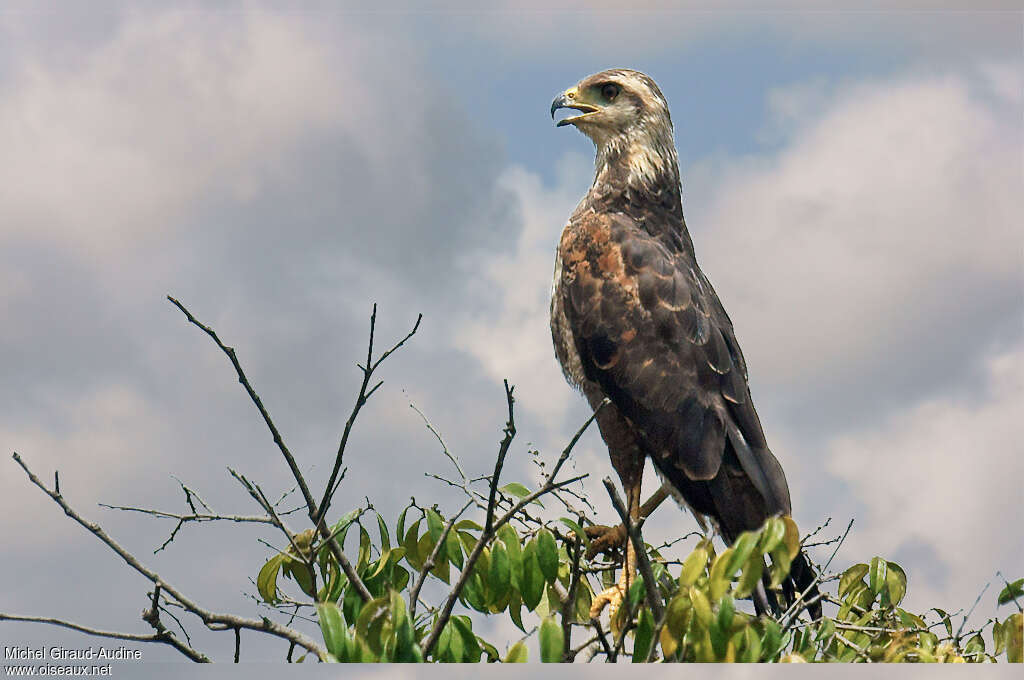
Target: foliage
point(540, 568)
point(417, 586)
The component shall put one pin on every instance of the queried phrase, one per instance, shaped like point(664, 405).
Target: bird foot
point(611, 598)
point(605, 539)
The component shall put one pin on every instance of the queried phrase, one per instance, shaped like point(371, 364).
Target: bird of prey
point(635, 321)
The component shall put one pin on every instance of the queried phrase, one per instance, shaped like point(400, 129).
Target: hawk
point(634, 320)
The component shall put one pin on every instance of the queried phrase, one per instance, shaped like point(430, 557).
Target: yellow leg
point(605, 539)
point(613, 597)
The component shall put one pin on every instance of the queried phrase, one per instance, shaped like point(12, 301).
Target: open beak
point(570, 99)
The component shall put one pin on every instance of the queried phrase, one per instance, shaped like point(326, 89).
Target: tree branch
point(212, 620)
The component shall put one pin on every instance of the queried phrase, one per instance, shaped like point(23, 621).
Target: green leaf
point(301, 573)
point(677, 614)
point(751, 645)
point(470, 647)
point(519, 491)
point(406, 650)
point(643, 637)
point(547, 555)
point(510, 538)
point(976, 645)
point(780, 563)
point(517, 654)
point(1012, 591)
point(515, 611)
point(577, 529)
point(499, 574)
point(826, 629)
point(363, 557)
point(532, 584)
point(771, 639)
point(751, 576)
point(851, 576)
point(411, 545)
point(726, 610)
point(435, 525)
point(266, 580)
point(791, 537)
point(895, 583)
point(552, 642)
point(718, 577)
point(1013, 629)
point(701, 606)
point(385, 538)
point(998, 638)
point(693, 567)
point(455, 648)
point(773, 532)
point(400, 526)
point(332, 625)
point(946, 621)
point(741, 551)
point(452, 549)
point(876, 574)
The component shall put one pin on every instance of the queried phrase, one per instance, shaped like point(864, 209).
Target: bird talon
point(605, 539)
point(611, 598)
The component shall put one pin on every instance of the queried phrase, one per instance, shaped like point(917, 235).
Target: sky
point(851, 180)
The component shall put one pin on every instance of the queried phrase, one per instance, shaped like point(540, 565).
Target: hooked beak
point(570, 99)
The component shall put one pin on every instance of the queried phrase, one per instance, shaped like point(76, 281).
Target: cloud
point(939, 483)
point(878, 245)
point(511, 338)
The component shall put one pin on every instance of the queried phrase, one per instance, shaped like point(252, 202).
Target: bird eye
point(609, 91)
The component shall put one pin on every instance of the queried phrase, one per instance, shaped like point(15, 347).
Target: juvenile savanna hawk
point(635, 320)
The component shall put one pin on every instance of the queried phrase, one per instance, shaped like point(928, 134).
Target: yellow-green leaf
point(693, 567)
point(552, 641)
point(547, 555)
point(517, 654)
point(266, 580)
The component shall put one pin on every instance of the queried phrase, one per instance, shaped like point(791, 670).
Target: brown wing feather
point(650, 330)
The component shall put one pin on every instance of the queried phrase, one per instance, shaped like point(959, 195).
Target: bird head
point(626, 116)
point(614, 103)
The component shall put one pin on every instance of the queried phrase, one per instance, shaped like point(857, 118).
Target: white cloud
point(945, 474)
point(116, 148)
point(515, 342)
point(892, 216)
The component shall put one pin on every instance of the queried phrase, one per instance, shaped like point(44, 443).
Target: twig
point(414, 596)
point(609, 654)
point(168, 638)
point(184, 519)
point(440, 440)
point(1002, 578)
point(238, 642)
point(212, 620)
point(799, 603)
point(569, 605)
point(633, 530)
point(314, 514)
point(510, 433)
point(969, 612)
point(489, 532)
point(361, 399)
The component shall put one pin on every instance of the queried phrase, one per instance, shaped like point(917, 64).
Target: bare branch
point(510, 433)
point(414, 596)
point(314, 513)
point(361, 399)
point(488, 533)
point(212, 620)
point(644, 564)
point(167, 638)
